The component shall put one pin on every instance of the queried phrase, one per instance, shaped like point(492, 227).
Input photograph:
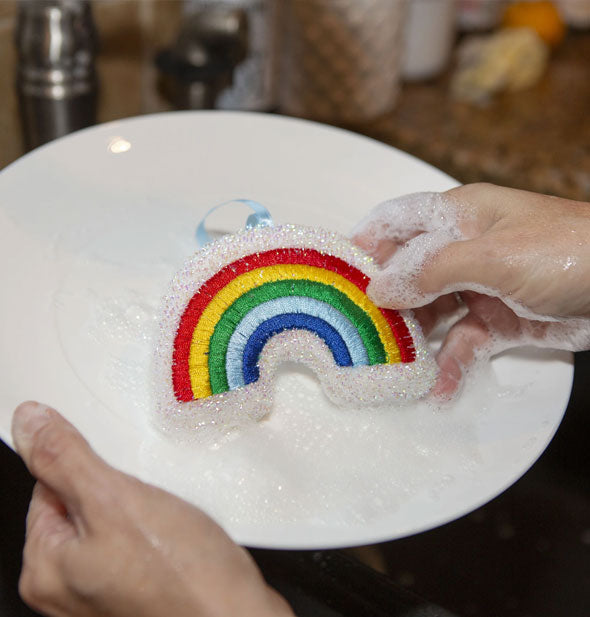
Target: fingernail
point(28, 418)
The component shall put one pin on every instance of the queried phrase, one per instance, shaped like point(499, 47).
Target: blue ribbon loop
point(261, 217)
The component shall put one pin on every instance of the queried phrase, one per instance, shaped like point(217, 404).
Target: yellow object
point(510, 59)
point(543, 17)
point(225, 297)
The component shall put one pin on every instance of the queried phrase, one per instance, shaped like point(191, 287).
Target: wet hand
point(100, 542)
point(505, 267)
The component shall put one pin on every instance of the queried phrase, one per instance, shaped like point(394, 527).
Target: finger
point(431, 315)
point(57, 455)
point(381, 252)
point(40, 584)
point(394, 222)
point(47, 516)
point(469, 339)
point(401, 283)
point(433, 264)
point(48, 528)
point(511, 328)
point(469, 265)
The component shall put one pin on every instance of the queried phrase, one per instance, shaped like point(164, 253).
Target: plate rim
point(329, 130)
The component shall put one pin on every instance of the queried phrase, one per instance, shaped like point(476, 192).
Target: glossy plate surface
point(93, 226)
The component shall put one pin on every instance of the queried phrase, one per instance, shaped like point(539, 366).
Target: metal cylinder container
point(56, 78)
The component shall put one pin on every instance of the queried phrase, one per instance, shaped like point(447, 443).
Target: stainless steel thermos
point(56, 78)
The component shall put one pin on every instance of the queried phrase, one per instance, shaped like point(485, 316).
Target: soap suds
point(345, 386)
point(308, 462)
point(414, 229)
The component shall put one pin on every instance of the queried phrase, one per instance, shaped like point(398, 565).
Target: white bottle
point(428, 38)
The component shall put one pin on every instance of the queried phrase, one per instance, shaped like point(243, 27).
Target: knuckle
point(108, 492)
point(90, 581)
point(35, 589)
point(26, 587)
point(492, 252)
point(475, 188)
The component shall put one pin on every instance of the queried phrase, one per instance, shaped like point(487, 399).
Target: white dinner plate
point(92, 228)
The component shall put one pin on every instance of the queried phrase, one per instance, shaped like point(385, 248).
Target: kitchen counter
point(525, 553)
point(538, 139)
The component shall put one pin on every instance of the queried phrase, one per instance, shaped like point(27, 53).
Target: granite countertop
point(537, 139)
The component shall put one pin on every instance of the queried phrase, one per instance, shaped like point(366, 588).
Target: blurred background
point(486, 90)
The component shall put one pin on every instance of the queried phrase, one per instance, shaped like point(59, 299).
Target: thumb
point(57, 455)
point(419, 272)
